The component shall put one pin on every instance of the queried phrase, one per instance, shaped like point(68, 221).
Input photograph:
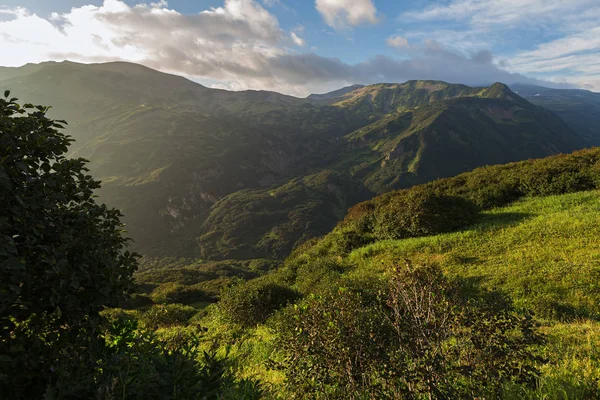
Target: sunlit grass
point(542, 251)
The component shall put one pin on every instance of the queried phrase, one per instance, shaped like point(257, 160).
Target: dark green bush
point(420, 213)
point(343, 241)
point(63, 257)
point(162, 315)
point(420, 338)
point(448, 204)
point(251, 303)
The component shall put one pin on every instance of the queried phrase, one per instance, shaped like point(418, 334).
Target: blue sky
point(304, 46)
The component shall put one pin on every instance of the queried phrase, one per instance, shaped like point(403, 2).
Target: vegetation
point(252, 303)
point(62, 262)
point(421, 338)
point(483, 285)
point(62, 255)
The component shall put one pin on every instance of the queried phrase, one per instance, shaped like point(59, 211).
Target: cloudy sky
point(313, 46)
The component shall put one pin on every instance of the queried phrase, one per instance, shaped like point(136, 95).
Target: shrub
point(251, 303)
point(139, 364)
point(420, 337)
point(334, 345)
point(343, 241)
point(422, 212)
point(63, 258)
point(162, 315)
point(173, 292)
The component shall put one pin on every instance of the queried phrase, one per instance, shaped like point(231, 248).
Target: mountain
point(200, 172)
point(578, 108)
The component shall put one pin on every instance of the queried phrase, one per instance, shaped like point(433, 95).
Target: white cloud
point(237, 38)
point(501, 12)
point(397, 42)
point(563, 36)
point(239, 45)
point(342, 14)
point(297, 39)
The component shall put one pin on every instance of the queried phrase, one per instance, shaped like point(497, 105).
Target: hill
point(185, 163)
point(532, 243)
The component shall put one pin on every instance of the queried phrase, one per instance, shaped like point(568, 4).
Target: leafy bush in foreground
point(62, 255)
point(134, 363)
point(422, 338)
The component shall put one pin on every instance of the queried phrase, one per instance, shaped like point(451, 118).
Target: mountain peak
point(499, 91)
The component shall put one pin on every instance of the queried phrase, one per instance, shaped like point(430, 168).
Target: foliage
point(134, 363)
point(253, 302)
point(190, 281)
point(62, 255)
point(486, 187)
point(161, 315)
point(541, 251)
point(421, 338)
point(422, 213)
point(173, 292)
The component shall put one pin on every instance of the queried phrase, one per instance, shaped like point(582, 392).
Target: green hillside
point(542, 251)
point(481, 285)
point(534, 245)
point(185, 163)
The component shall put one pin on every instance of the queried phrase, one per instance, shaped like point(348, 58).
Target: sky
point(300, 47)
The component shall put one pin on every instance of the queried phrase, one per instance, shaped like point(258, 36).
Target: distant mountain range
point(578, 108)
point(216, 174)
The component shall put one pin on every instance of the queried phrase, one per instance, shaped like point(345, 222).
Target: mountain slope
point(182, 161)
point(448, 137)
point(578, 108)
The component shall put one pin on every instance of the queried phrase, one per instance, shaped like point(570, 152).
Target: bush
point(420, 338)
point(422, 212)
point(134, 363)
point(160, 315)
point(436, 207)
point(251, 303)
point(63, 258)
point(173, 292)
point(334, 346)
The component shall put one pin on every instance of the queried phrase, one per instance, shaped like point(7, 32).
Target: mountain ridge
point(171, 152)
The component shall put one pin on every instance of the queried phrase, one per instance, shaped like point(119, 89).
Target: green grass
point(573, 368)
point(542, 251)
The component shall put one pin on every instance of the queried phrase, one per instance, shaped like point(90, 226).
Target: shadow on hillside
point(473, 287)
point(501, 220)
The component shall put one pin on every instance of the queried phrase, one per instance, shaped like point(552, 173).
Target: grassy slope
point(543, 251)
point(263, 223)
